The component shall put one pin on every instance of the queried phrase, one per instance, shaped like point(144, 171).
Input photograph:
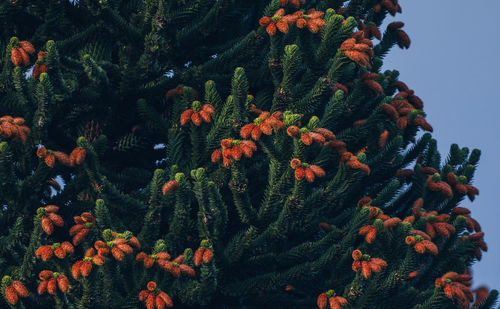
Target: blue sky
point(453, 67)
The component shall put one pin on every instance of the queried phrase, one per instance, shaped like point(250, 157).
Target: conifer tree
point(224, 154)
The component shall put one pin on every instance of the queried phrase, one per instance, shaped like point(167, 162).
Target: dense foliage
point(223, 154)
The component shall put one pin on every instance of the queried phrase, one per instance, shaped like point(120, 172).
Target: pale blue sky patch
point(452, 64)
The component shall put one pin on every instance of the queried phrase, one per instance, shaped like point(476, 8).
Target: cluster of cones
point(403, 39)
point(51, 282)
point(279, 21)
point(202, 254)
point(472, 225)
point(233, 149)
point(50, 219)
point(83, 224)
point(14, 290)
point(460, 185)
point(457, 286)
point(149, 260)
point(40, 66)
point(479, 244)
point(307, 171)
point(392, 6)
point(435, 184)
point(359, 49)
point(154, 297)
point(369, 80)
point(19, 55)
point(370, 231)
point(174, 267)
point(263, 124)
point(366, 264)
point(197, 114)
point(13, 127)
point(118, 248)
point(77, 156)
point(320, 136)
point(435, 223)
point(84, 267)
point(330, 298)
point(370, 30)
point(404, 103)
point(421, 242)
point(60, 250)
point(352, 161)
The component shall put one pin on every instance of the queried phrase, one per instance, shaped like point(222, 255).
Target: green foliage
point(120, 76)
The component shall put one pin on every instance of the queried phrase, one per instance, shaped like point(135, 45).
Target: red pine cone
point(15, 56)
point(300, 173)
point(357, 255)
point(51, 208)
point(196, 118)
point(374, 86)
point(20, 288)
point(309, 174)
point(60, 253)
point(370, 231)
point(67, 247)
point(198, 255)
point(98, 260)
point(117, 253)
point(207, 256)
point(76, 269)
point(56, 219)
point(24, 56)
point(186, 116)
point(322, 301)
point(383, 139)
point(62, 283)
point(11, 295)
point(163, 255)
point(41, 152)
point(336, 302)
point(185, 269)
point(50, 160)
point(42, 287)
point(27, 47)
point(44, 252)
point(143, 295)
point(80, 236)
point(52, 286)
point(318, 171)
point(47, 226)
point(151, 286)
point(38, 69)
point(85, 268)
point(166, 299)
point(160, 304)
point(150, 301)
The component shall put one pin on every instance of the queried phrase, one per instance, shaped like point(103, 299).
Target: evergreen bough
point(223, 154)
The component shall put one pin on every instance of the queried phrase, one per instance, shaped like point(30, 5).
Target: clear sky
point(453, 66)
